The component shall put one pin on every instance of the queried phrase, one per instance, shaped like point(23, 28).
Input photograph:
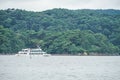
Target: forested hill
point(60, 31)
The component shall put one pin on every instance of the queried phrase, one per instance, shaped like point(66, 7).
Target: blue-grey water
point(60, 68)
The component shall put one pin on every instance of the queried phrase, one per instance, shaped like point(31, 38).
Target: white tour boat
point(32, 52)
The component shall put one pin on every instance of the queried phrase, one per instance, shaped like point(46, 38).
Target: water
point(60, 68)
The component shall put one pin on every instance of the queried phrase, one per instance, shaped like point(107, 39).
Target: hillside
point(60, 31)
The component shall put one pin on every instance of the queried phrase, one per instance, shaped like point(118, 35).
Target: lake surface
point(60, 68)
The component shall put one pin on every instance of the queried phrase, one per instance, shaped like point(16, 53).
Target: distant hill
point(61, 31)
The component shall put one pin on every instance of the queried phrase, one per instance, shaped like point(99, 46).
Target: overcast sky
point(40, 5)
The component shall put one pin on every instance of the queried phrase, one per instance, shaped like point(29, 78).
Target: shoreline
point(98, 54)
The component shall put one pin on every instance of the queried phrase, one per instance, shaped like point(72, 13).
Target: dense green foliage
point(60, 30)
point(9, 41)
